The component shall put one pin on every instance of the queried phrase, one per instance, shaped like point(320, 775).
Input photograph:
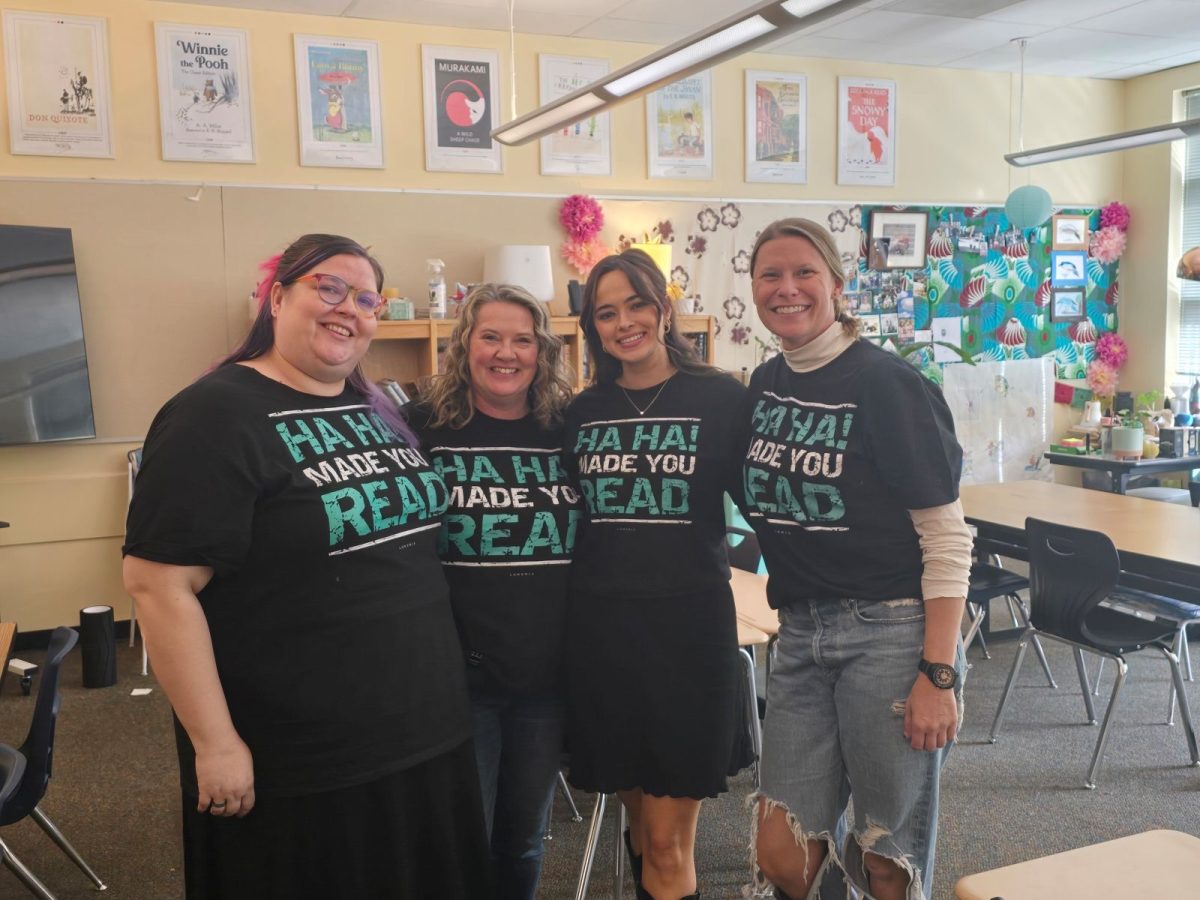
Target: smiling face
point(631, 328)
point(502, 356)
point(318, 345)
point(794, 290)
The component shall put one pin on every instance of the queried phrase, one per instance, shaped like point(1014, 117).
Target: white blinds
point(1189, 294)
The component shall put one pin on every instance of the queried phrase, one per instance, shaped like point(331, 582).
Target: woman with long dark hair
point(281, 550)
point(652, 637)
point(492, 427)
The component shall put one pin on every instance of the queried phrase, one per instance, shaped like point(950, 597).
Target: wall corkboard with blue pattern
point(987, 283)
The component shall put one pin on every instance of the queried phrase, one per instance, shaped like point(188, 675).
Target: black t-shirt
point(506, 544)
point(834, 460)
point(329, 614)
point(653, 484)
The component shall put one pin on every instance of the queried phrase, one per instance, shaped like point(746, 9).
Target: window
point(1189, 293)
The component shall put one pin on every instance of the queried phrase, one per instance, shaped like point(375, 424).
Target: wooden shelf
point(408, 350)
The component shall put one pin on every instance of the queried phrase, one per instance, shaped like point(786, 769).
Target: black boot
point(635, 863)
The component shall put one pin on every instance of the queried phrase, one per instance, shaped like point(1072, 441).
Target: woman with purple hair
point(281, 547)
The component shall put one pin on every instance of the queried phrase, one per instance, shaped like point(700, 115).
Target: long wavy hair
point(449, 395)
point(823, 241)
point(305, 254)
point(649, 284)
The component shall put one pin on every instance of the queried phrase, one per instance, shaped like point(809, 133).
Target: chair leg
point(1180, 648)
point(589, 849)
point(1185, 708)
point(1098, 754)
point(22, 872)
point(1008, 685)
point(1037, 644)
point(619, 852)
point(1184, 652)
point(1081, 667)
point(132, 620)
point(976, 613)
point(57, 836)
point(566, 792)
point(1099, 676)
point(752, 710)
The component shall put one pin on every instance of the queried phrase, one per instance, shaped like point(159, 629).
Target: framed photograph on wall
point(461, 89)
point(679, 128)
point(1069, 232)
point(337, 92)
point(59, 102)
point(776, 127)
point(1068, 268)
point(204, 93)
point(582, 148)
point(866, 131)
point(1068, 304)
point(906, 234)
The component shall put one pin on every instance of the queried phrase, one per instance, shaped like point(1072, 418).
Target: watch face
point(943, 676)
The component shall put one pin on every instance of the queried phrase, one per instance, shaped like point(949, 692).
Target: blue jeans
point(834, 730)
point(518, 749)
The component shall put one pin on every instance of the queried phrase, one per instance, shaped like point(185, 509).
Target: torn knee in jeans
point(878, 855)
point(761, 886)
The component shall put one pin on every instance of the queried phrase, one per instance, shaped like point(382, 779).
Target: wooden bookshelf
point(408, 350)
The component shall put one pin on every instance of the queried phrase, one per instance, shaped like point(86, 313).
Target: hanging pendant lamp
point(1029, 206)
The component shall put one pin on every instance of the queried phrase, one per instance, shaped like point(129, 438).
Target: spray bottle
point(437, 289)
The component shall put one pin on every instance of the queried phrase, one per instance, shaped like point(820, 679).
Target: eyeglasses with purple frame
point(333, 290)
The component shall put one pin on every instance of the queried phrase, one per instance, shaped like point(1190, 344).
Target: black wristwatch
point(942, 675)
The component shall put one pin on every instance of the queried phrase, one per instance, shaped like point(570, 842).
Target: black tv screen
point(45, 394)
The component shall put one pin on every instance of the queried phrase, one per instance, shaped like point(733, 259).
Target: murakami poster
point(679, 128)
point(204, 93)
point(58, 91)
point(462, 106)
point(866, 131)
point(582, 148)
point(337, 89)
point(776, 127)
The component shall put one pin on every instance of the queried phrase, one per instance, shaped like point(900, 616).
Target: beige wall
point(163, 281)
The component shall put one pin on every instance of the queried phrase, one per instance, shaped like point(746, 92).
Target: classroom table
point(1120, 471)
point(1159, 543)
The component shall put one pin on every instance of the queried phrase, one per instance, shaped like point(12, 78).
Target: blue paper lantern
point(1028, 207)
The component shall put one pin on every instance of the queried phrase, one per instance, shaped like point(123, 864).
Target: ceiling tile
point(610, 29)
point(311, 7)
point(963, 9)
point(1164, 18)
point(1051, 13)
point(695, 14)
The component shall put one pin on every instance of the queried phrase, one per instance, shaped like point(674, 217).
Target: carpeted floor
point(114, 787)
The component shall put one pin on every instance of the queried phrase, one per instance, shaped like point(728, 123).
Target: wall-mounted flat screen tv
point(45, 394)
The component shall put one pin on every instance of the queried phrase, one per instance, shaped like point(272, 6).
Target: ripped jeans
point(834, 752)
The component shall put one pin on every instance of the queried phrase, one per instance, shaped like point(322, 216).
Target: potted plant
point(1149, 408)
point(1128, 436)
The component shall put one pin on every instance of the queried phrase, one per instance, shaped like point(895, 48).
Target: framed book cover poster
point(866, 131)
point(679, 128)
point(204, 93)
point(59, 99)
point(582, 148)
point(337, 92)
point(776, 127)
point(461, 88)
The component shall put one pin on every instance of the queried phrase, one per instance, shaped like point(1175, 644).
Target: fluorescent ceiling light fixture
point(763, 22)
point(1126, 140)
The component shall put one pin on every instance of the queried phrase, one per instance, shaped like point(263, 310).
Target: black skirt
point(654, 694)
point(412, 835)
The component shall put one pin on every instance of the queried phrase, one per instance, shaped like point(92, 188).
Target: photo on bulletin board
point(337, 93)
point(906, 234)
point(461, 89)
point(776, 127)
point(582, 148)
point(1068, 268)
point(870, 325)
point(1069, 232)
point(58, 95)
point(1068, 304)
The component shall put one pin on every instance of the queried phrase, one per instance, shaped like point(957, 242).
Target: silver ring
point(220, 805)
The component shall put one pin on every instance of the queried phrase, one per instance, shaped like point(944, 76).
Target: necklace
point(653, 400)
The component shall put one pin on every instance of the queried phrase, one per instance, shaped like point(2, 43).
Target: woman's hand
point(930, 715)
point(225, 779)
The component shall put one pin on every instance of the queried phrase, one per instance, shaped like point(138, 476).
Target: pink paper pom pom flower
point(582, 217)
point(1101, 378)
point(1115, 215)
point(1112, 350)
point(583, 255)
point(1107, 244)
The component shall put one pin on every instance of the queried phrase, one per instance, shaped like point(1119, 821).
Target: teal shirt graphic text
point(637, 470)
point(795, 459)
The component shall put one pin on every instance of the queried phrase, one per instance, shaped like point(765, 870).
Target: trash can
point(98, 646)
